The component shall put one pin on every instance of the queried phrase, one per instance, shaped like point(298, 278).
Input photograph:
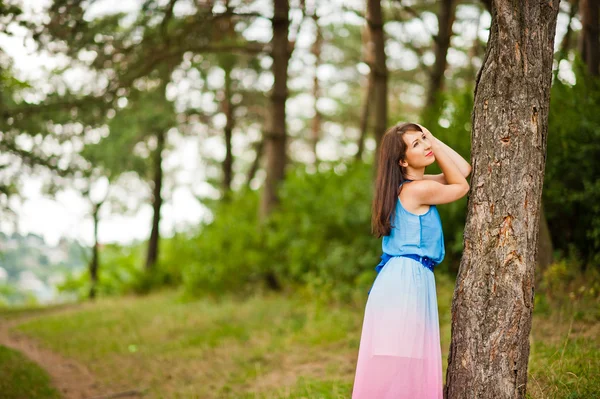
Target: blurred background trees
point(283, 103)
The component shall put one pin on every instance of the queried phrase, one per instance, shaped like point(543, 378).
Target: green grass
point(276, 346)
point(564, 359)
point(20, 378)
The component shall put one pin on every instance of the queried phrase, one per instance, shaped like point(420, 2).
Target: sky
point(68, 214)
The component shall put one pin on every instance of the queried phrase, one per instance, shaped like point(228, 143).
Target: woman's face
point(418, 150)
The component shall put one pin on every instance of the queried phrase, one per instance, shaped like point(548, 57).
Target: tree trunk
point(565, 44)
point(545, 247)
point(446, 18)
point(589, 43)
point(364, 117)
point(378, 70)
point(488, 5)
point(275, 135)
point(316, 121)
point(229, 124)
point(493, 297)
point(368, 56)
point(258, 148)
point(94, 262)
point(475, 50)
point(156, 202)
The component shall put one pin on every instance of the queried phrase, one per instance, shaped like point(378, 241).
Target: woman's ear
point(402, 163)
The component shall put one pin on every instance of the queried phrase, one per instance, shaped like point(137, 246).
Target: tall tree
point(379, 71)
point(368, 93)
point(316, 51)
point(157, 198)
point(493, 298)
point(445, 17)
point(275, 133)
point(589, 44)
point(96, 204)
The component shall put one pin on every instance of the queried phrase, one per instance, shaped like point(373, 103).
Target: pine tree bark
point(157, 201)
point(589, 44)
point(493, 298)
point(275, 135)
point(379, 72)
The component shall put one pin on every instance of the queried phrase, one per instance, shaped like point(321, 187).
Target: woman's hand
point(427, 133)
point(432, 140)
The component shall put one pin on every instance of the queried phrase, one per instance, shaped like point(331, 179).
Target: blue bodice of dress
point(414, 234)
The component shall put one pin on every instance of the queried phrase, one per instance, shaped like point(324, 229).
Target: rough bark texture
point(378, 69)
point(156, 202)
point(446, 18)
point(275, 135)
point(590, 43)
point(493, 297)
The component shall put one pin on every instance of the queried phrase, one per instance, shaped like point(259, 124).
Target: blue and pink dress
point(400, 352)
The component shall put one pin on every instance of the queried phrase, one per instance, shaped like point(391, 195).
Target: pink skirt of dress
point(400, 354)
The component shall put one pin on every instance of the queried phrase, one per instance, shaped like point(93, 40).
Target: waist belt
point(424, 260)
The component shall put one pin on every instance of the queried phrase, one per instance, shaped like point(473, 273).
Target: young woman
point(400, 354)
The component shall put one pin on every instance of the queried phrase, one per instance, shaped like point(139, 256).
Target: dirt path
point(72, 379)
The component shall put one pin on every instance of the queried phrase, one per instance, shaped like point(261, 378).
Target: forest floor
point(267, 346)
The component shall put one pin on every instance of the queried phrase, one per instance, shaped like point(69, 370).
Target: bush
point(571, 186)
point(319, 236)
point(565, 285)
point(120, 271)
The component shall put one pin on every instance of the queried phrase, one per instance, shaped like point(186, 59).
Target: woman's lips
point(430, 153)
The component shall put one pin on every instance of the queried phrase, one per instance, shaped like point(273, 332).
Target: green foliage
point(319, 237)
point(564, 286)
point(10, 295)
point(226, 254)
point(571, 185)
point(120, 272)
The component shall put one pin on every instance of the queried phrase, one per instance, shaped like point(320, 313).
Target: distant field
point(274, 346)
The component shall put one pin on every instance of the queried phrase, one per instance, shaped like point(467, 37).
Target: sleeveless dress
point(400, 353)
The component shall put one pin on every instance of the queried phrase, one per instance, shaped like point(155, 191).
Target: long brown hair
point(389, 176)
